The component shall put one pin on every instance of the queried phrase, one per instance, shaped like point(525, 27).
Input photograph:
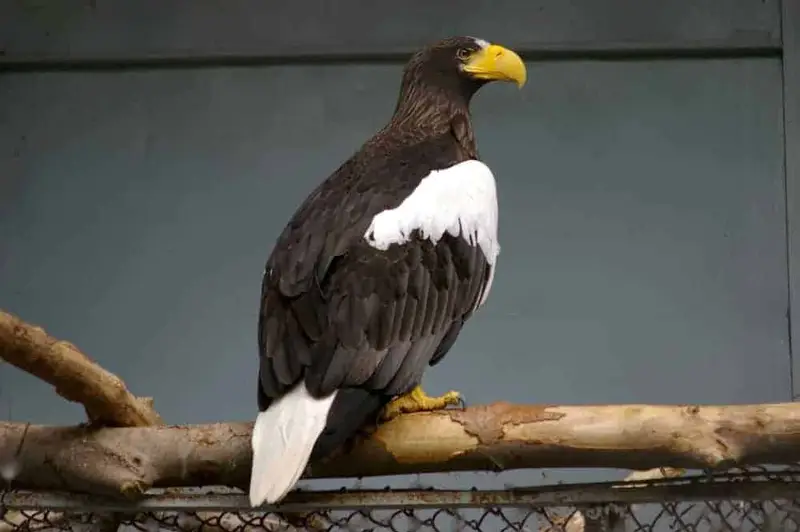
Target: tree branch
point(74, 375)
point(77, 378)
point(128, 461)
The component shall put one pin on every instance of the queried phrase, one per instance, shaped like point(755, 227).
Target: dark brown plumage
point(430, 129)
point(342, 315)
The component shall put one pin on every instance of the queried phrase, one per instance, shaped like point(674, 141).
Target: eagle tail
point(283, 438)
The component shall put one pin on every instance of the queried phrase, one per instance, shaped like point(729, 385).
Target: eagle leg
point(418, 401)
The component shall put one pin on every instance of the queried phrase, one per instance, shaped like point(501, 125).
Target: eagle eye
point(463, 53)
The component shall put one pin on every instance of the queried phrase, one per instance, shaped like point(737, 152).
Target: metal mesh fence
point(754, 500)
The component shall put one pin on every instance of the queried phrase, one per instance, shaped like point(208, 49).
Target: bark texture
point(501, 436)
point(74, 375)
point(126, 449)
point(77, 378)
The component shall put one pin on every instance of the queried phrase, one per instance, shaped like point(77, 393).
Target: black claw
point(462, 403)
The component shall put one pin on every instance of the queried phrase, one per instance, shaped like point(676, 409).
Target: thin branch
point(74, 375)
point(720, 488)
point(77, 378)
point(128, 461)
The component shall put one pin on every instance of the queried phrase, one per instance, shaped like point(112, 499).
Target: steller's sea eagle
point(377, 271)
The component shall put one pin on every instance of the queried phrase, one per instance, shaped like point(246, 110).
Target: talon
point(451, 398)
point(462, 403)
point(418, 401)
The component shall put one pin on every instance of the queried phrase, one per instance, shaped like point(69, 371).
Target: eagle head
point(464, 64)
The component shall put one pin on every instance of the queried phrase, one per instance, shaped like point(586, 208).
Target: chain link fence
point(757, 499)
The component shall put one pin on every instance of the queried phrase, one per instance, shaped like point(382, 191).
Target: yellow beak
point(497, 63)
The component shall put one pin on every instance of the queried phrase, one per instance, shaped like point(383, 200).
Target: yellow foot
point(418, 401)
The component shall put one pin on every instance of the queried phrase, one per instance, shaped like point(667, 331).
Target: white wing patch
point(460, 200)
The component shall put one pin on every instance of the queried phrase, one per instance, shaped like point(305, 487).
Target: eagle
point(375, 274)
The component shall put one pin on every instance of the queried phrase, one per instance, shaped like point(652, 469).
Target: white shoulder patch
point(460, 200)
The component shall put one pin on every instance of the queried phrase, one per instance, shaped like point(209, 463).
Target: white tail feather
point(283, 437)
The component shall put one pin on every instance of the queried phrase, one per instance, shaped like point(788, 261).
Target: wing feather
point(422, 290)
point(383, 336)
point(338, 312)
point(386, 344)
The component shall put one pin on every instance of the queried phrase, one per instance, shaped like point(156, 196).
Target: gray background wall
point(150, 156)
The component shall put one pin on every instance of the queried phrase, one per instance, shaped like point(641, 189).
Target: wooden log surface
point(495, 437)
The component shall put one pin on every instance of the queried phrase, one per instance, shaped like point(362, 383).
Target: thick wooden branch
point(74, 375)
point(128, 461)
